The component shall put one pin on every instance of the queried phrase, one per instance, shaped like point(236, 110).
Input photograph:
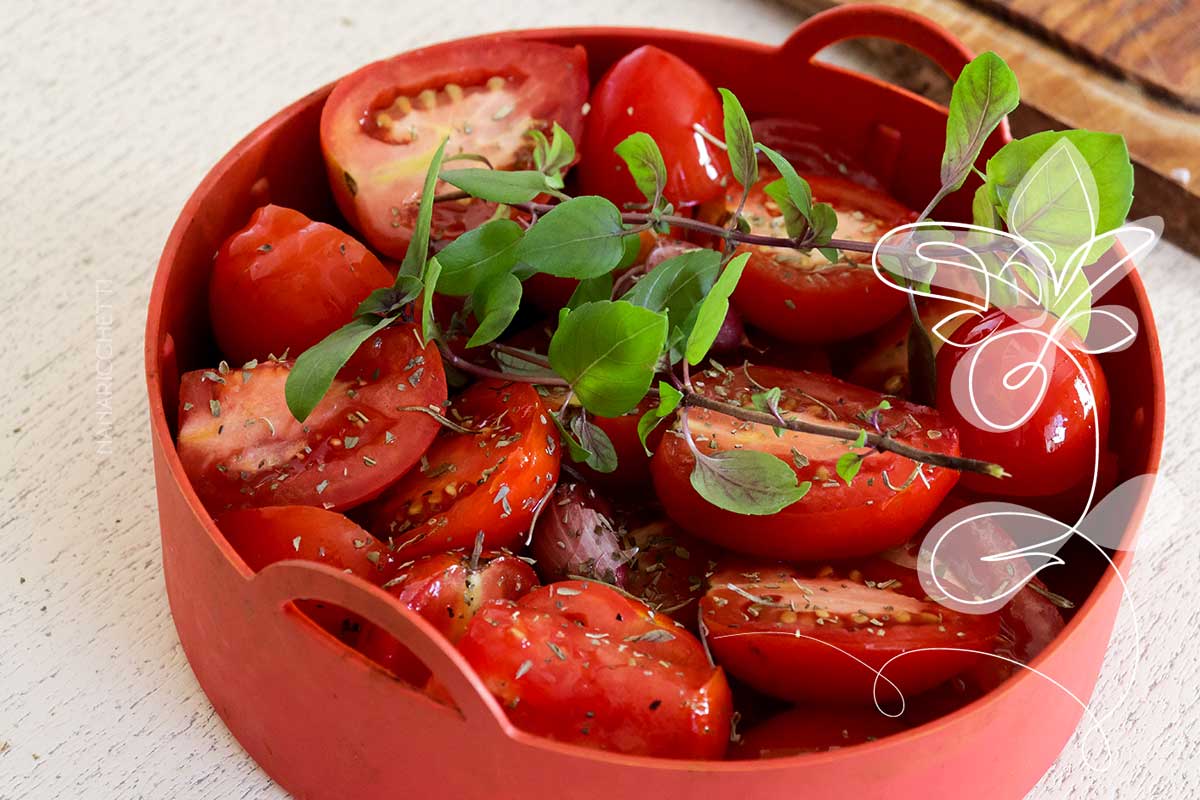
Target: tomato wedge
point(655, 92)
point(242, 448)
point(447, 590)
point(284, 283)
point(262, 536)
point(381, 126)
point(490, 479)
point(579, 662)
point(813, 729)
point(801, 297)
point(885, 504)
point(820, 636)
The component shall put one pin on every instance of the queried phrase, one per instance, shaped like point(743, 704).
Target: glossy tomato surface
point(284, 283)
point(488, 476)
point(802, 297)
point(1055, 447)
point(823, 635)
point(579, 662)
point(883, 505)
point(381, 126)
point(446, 589)
point(655, 92)
point(242, 448)
point(813, 729)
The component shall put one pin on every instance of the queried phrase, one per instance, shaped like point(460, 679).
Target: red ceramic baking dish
point(327, 723)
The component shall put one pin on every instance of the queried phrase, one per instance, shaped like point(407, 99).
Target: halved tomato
point(655, 92)
point(813, 729)
point(884, 505)
point(822, 636)
point(382, 124)
point(262, 536)
point(801, 297)
point(284, 283)
point(579, 662)
point(490, 479)
point(242, 448)
point(447, 590)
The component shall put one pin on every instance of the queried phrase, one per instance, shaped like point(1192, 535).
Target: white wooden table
point(110, 113)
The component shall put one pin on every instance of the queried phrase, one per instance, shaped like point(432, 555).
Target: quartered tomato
point(654, 92)
point(579, 662)
point(262, 536)
point(801, 297)
point(242, 448)
point(822, 636)
point(283, 283)
point(886, 502)
point(813, 729)
point(447, 590)
point(1055, 447)
point(489, 478)
point(382, 124)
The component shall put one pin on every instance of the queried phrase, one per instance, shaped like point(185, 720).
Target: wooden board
point(1060, 91)
point(1154, 42)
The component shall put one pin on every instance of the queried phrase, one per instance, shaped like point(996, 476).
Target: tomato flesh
point(801, 297)
point(886, 503)
point(447, 589)
point(242, 448)
point(1055, 448)
point(579, 662)
point(284, 283)
point(490, 479)
point(381, 126)
point(669, 570)
point(631, 98)
point(820, 636)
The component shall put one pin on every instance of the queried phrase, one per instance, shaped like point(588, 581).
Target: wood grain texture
point(109, 116)
point(1154, 42)
point(1059, 91)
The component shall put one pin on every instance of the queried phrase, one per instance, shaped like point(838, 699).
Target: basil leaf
point(631, 248)
point(561, 152)
point(668, 400)
point(831, 254)
point(985, 92)
point(747, 482)
point(591, 290)
point(477, 255)
point(495, 303)
point(418, 247)
point(824, 223)
point(645, 163)
point(602, 456)
point(499, 186)
point(791, 193)
point(578, 238)
point(578, 453)
point(608, 351)
point(848, 465)
point(311, 376)
point(677, 284)
point(739, 140)
point(429, 327)
point(390, 300)
point(711, 312)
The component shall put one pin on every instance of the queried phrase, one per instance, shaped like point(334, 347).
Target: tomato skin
point(630, 98)
point(377, 166)
point(242, 448)
point(284, 282)
point(833, 520)
point(801, 298)
point(579, 662)
point(446, 589)
point(813, 729)
point(262, 536)
point(1055, 448)
point(757, 642)
point(490, 481)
